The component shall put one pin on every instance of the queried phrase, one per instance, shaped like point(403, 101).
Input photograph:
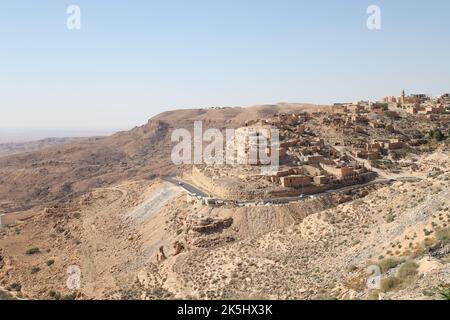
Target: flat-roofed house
point(296, 181)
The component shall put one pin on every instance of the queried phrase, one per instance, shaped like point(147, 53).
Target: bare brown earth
point(99, 204)
point(311, 250)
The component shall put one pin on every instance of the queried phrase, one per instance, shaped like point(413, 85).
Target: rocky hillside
point(144, 240)
point(99, 204)
point(66, 171)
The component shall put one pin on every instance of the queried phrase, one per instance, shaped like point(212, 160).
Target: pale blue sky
point(134, 59)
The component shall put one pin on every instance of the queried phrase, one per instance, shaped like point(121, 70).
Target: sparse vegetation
point(71, 296)
point(389, 284)
point(77, 215)
point(15, 287)
point(35, 270)
point(374, 295)
point(390, 218)
point(437, 135)
point(6, 295)
point(443, 235)
point(407, 270)
point(445, 294)
point(404, 276)
point(351, 268)
point(32, 251)
point(54, 295)
point(389, 263)
point(322, 245)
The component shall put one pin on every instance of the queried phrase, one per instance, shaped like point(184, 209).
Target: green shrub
point(77, 215)
point(351, 268)
point(32, 251)
point(390, 218)
point(35, 270)
point(389, 263)
point(443, 235)
point(356, 242)
point(446, 294)
point(15, 286)
point(374, 295)
point(71, 296)
point(389, 284)
point(437, 135)
point(55, 295)
point(4, 295)
point(407, 270)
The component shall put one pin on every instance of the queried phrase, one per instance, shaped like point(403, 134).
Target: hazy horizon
point(17, 135)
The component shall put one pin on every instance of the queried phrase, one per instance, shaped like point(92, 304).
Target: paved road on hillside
point(186, 186)
point(194, 190)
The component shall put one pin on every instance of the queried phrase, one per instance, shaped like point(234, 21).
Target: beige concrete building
point(296, 181)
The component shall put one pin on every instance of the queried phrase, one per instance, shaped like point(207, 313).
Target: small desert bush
point(389, 263)
point(374, 295)
point(404, 276)
point(35, 270)
point(358, 283)
point(446, 294)
point(77, 215)
point(5, 296)
point(50, 262)
point(54, 294)
point(443, 235)
point(15, 286)
point(407, 270)
point(390, 218)
point(351, 268)
point(389, 284)
point(71, 296)
point(32, 251)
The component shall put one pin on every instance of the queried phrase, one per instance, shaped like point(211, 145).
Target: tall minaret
point(402, 100)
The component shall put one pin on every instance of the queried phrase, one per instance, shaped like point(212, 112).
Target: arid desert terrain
point(105, 204)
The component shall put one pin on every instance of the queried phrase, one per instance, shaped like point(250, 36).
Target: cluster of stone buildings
point(420, 104)
point(376, 149)
point(311, 160)
point(350, 117)
point(321, 171)
point(306, 160)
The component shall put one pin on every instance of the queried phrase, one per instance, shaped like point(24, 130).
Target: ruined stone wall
point(218, 190)
point(222, 190)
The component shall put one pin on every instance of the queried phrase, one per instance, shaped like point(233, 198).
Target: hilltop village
point(358, 184)
point(347, 144)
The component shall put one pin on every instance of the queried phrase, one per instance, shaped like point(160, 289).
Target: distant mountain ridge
point(11, 148)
